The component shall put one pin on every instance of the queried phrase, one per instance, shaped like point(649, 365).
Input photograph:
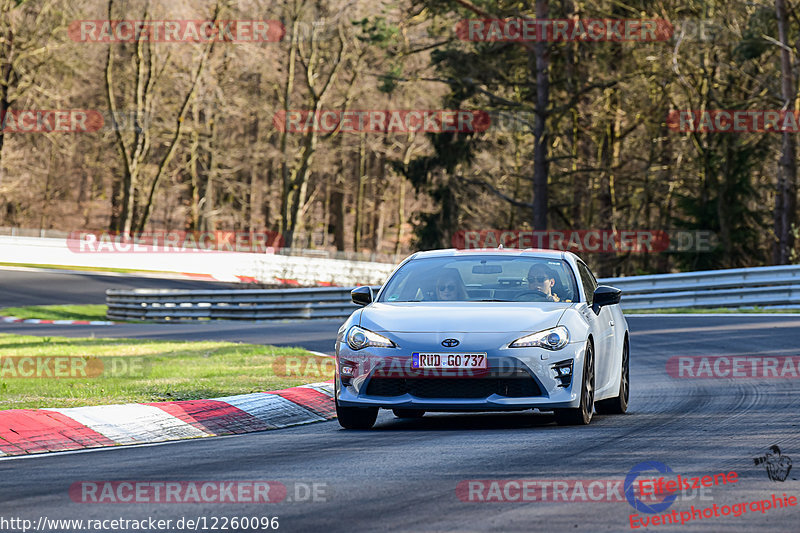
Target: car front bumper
point(521, 378)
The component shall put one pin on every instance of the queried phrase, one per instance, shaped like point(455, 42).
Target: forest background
point(579, 138)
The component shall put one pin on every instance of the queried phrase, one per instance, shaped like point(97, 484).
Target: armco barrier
point(250, 304)
point(744, 287)
point(777, 286)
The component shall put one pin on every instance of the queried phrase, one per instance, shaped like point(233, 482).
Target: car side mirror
point(605, 295)
point(361, 295)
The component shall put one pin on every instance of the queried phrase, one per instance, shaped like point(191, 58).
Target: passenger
point(542, 278)
point(449, 286)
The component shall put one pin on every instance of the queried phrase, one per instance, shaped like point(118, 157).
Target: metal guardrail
point(744, 287)
point(248, 304)
point(777, 286)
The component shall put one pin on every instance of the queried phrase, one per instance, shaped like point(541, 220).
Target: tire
point(619, 404)
point(356, 417)
point(581, 415)
point(408, 413)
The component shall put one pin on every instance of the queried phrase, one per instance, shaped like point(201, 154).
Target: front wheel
point(356, 417)
point(581, 415)
point(619, 404)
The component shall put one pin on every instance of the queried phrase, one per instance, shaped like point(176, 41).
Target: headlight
point(550, 339)
point(358, 338)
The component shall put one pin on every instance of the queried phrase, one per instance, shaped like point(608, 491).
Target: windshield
point(482, 278)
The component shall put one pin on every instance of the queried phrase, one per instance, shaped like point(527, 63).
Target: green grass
point(719, 310)
point(164, 371)
point(57, 312)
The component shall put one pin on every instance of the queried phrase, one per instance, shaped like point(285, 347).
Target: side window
point(588, 282)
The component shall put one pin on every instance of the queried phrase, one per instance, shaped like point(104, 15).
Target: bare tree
point(136, 152)
point(313, 58)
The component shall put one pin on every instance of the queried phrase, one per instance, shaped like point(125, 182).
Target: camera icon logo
point(778, 466)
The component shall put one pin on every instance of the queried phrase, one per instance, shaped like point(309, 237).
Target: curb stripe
point(311, 399)
point(213, 416)
point(15, 320)
point(32, 431)
point(271, 409)
point(325, 387)
point(132, 423)
point(27, 431)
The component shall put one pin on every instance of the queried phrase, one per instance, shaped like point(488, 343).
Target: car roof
point(528, 252)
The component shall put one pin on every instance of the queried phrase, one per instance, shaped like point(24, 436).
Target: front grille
point(517, 387)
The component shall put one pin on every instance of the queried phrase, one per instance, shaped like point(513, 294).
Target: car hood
point(487, 317)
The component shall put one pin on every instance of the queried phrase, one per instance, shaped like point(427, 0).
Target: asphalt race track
point(403, 474)
point(21, 288)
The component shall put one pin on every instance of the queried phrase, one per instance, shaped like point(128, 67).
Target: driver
point(542, 278)
point(449, 286)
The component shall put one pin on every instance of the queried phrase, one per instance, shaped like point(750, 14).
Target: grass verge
point(145, 370)
point(58, 312)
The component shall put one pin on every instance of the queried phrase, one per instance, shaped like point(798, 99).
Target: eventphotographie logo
point(666, 485)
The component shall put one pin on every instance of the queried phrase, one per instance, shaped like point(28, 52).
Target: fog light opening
point(563, 371)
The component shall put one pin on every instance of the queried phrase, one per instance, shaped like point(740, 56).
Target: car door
point(603, 327)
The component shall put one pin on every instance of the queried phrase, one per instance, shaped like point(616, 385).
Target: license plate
point(448, 360)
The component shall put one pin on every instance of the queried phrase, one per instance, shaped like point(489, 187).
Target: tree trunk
point(786, 194)
point(361, 180)
point(540, 152)
point(379, 219)
point(6, 73)
point(337, 218)
point(288, 89)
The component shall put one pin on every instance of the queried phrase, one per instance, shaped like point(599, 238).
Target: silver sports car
point(484, 330)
